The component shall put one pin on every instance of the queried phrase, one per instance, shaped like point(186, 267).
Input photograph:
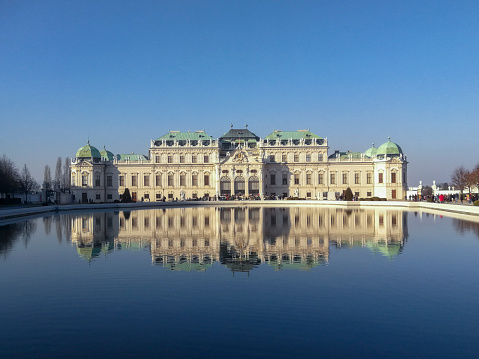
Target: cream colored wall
point(260, 161)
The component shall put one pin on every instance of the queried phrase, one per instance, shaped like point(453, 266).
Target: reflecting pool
point(240, 282)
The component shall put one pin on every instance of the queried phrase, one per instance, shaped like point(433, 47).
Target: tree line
point(62, 179)
point(13, 180)
point(463, 178)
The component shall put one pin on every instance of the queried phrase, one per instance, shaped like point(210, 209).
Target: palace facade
point(192, 165)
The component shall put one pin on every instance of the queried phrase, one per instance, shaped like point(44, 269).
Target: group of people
point(446, 198)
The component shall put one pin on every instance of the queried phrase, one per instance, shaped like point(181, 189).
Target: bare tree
point(473, 178)
point(66, 174)
point(27, 183)
point(58, 175)
point(9, 176)
point(459, 178)
point(47, 178)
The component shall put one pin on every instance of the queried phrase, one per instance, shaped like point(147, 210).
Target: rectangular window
point(109, 196)
point(157, 159)
point(158, 179)
point(284, 158)
point(98, 196)
point(147, 196)
point(368, 194)
point(393, 177)
point(158, 197)
point(332, 178)
point(320, 178)
point(285, 179)
point(182, 180)
point(109, 181)
point(206, 159)
point(320, 157)
point(273, 179)
point(308, 194)
point(182, 159)
point(296, 157)
point(345, 178)
point(296, 178)
point(308, 178)
point(194, 159)
point(194, 179)
point(97, 180)
point(134, 180)
point(308, 157)
point(122, 181)
point(170, 159)
point(380, 180)
point(356, 194)
point(356, 178)
point(146, 180)
point(170, 180)
point(271, 158)
point(170, 196)
point(369, 178)
point(207, 180)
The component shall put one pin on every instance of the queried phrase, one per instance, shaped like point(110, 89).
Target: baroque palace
point(192, 165)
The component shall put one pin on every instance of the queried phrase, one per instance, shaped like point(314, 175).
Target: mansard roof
point(293, 135)
point(345, 155)
point(183, 136)
point(131, 157)
point(239, 133)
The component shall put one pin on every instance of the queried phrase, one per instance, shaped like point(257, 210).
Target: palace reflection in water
point(240, 238)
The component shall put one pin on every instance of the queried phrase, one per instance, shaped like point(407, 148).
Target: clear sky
point(123, 72)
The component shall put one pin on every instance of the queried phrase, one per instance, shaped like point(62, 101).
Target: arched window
point(239, 185)
point(253, 185)
point(225, 186)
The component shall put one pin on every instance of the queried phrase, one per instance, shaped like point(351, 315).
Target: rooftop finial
point(231, 125)
point(389, 138)
point(246, 125)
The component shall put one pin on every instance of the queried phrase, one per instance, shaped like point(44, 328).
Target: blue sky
point(123, 72)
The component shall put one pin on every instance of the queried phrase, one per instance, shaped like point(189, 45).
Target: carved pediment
point(240, 156)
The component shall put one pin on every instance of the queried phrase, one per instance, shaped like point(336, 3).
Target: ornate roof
point(88, 151)
point(131, 157)
point(371, 152)
point(235, 133)
point(293, 135)
point(389, 148)
point(183, 136)
point(106, 155)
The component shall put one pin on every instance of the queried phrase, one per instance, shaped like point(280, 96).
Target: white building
point(183, 165)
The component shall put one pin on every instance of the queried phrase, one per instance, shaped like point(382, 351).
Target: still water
point(240, 283)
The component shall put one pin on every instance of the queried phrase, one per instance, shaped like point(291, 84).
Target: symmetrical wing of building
point(190, 165)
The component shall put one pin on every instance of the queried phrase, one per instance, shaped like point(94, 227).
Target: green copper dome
point(371, 152)
point(389, 149)
point(88, 152)
point(106, 155)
